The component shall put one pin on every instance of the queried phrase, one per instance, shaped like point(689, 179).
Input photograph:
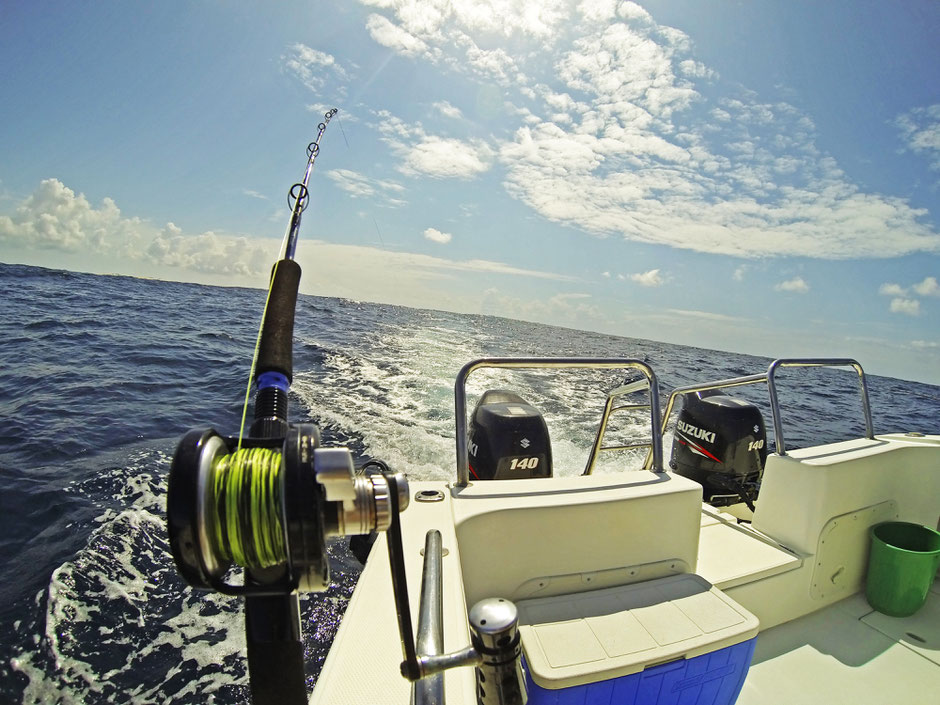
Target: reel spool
point(268, 507)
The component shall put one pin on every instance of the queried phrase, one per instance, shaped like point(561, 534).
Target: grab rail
point(814, 362)
point(430, 642)
point(655, 457)
point(609, 409)
point(769, 378)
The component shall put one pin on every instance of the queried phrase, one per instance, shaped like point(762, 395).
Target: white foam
point(118, 625)
point(398, 397)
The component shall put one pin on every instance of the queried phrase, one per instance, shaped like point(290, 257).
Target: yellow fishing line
point(254, 356)
point(248, 526)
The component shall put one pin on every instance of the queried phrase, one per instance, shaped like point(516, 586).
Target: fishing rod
point(263, 505)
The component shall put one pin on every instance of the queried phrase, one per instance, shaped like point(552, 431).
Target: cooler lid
point(588, 637)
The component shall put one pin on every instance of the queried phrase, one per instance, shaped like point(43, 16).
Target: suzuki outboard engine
point(721, 443)
point(508, 439)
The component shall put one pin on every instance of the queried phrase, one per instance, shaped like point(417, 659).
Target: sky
point(758, 177)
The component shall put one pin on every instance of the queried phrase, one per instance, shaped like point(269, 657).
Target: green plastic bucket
point(901, 567)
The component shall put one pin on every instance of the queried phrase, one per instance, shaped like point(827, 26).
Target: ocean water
point(100, 376)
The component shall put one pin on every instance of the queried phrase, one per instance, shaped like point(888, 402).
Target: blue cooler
point(677, 639)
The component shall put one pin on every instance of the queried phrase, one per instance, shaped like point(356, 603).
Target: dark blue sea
point(100, 376)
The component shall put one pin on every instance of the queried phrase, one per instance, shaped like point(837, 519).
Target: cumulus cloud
point(795, 285)
point(650, 278)
point(208, 252)
point(889, 289)
point(910, 307)
point(54, 217)
point(437, 236)
point(903, 298)
point(928, 287)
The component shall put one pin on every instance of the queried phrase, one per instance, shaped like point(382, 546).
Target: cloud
point(394, 36)
point(920, 130)
point(446, 158)
point(613, 133)
point(910, 307)
point(254, 194)
point(925, 344)
point(362, 186)
point(208, 252)
point(928, 287)
point(904, 300)
point(312, 67)
point(448, 110)
point(459, 34)
point(55, 218)
point(437, 236)
point(480, 265)
point(795, 285)
point(705, 315)
point(739, 273)
point(421, 154)
point(888, 289)
point(650, 278)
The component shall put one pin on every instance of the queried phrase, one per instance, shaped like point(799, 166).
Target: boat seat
point(525, 538)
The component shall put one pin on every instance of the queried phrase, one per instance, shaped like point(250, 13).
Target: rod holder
point(494, 633)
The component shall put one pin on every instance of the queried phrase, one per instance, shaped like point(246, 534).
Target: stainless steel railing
point(609, 409)
point(770, 378)
point(430, 641)
point(655, 457)
point(814, 362)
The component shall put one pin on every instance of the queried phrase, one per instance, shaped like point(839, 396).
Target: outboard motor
point(508, 439)
point(721, 443)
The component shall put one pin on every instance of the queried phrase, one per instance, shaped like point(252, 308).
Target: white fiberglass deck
point(848, 653)
point(799, 568)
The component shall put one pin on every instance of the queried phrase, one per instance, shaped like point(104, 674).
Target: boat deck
point(819, 641)
point(848, 653)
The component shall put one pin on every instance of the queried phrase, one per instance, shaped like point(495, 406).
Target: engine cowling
point(508, 439)
point(721, 443)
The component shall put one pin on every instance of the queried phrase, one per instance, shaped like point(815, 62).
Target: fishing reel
point(268, 506)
